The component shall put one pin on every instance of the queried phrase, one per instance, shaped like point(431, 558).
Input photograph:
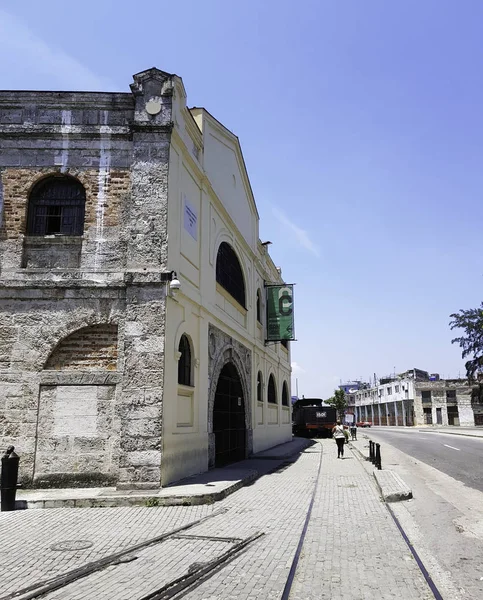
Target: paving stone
point(352, 547)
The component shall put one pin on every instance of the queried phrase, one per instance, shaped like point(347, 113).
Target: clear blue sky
point(361, 123)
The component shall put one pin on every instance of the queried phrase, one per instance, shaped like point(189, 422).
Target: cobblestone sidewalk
point(352, 548)
point(28, 536)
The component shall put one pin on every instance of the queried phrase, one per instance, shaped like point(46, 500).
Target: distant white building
point(418, 398)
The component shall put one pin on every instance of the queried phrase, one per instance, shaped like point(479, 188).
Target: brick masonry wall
point(90, 348)
point(102, 224)
point(17, 184)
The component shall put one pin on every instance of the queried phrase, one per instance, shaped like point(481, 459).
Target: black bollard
point(378, 457)
point(9, 478)
point(371, 451)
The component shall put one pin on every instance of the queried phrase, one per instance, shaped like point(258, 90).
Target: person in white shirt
point(339, 436)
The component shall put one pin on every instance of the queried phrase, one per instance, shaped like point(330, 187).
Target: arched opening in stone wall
point(78, 433)
point(229, 425)
point(56, 207)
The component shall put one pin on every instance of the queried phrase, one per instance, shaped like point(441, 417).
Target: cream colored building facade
point(213, 185)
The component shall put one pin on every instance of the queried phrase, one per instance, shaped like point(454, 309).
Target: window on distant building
point(56, 207)
point(389, 391)
point(229, 273)
point(396, 389)
point(450, 395)
point(426, 395)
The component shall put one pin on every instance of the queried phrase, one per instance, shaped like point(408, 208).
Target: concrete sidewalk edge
point(390, 484)
point(139, 499)
point(173, 495)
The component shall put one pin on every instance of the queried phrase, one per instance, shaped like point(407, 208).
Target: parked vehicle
point(310, 418)
point(364, 424)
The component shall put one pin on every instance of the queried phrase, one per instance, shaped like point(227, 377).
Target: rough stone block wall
point(140, 406)
point(50, 290)
point(78, 436)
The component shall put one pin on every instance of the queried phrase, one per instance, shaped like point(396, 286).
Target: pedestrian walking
point(339, 436)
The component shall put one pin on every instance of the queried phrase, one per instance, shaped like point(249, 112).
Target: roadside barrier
point(8, 479)
point(375, 454)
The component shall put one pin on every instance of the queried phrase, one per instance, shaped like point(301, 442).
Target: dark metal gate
point(229, 418)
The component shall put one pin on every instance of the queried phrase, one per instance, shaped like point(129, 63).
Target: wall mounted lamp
point(174, 285)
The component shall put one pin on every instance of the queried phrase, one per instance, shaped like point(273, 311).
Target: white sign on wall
point(190, 217)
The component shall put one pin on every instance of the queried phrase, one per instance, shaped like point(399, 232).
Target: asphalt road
point(458, 456)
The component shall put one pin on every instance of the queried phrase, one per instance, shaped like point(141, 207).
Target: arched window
point(259, 306)
point(259, 387)
point(184, 363)
point(56, 206)
point(272, 392)
point(285, 394)
point(229, 273)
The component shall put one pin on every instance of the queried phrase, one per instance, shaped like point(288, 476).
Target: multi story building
point(419, 398)
point(132, 301)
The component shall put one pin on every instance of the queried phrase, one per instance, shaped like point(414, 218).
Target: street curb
point(139, 499)
point(392, 487)
point(156, 498)
point(361, 454)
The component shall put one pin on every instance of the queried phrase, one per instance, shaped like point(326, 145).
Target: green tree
point(471, 343)
point(339, 402)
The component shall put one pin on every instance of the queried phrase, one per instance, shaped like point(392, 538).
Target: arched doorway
point(229, 425)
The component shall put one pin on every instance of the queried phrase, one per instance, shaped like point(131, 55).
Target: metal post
point(371, 451)
point(378, 457)
point(8, 482)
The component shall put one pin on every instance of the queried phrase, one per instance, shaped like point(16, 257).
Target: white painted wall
point(220, 201)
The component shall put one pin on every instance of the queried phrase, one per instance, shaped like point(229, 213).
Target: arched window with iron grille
point(272, 391)
point(229, 273)
point(56, 207)
point(259, 305)
point(259, 387)
point(184, 363)
point(285, 394)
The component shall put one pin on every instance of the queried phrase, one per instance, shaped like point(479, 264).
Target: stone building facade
point(416, 398)
point(107, 375)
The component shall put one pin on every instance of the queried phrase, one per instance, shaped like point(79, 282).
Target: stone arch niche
point(78, 425)
point(222, 350)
